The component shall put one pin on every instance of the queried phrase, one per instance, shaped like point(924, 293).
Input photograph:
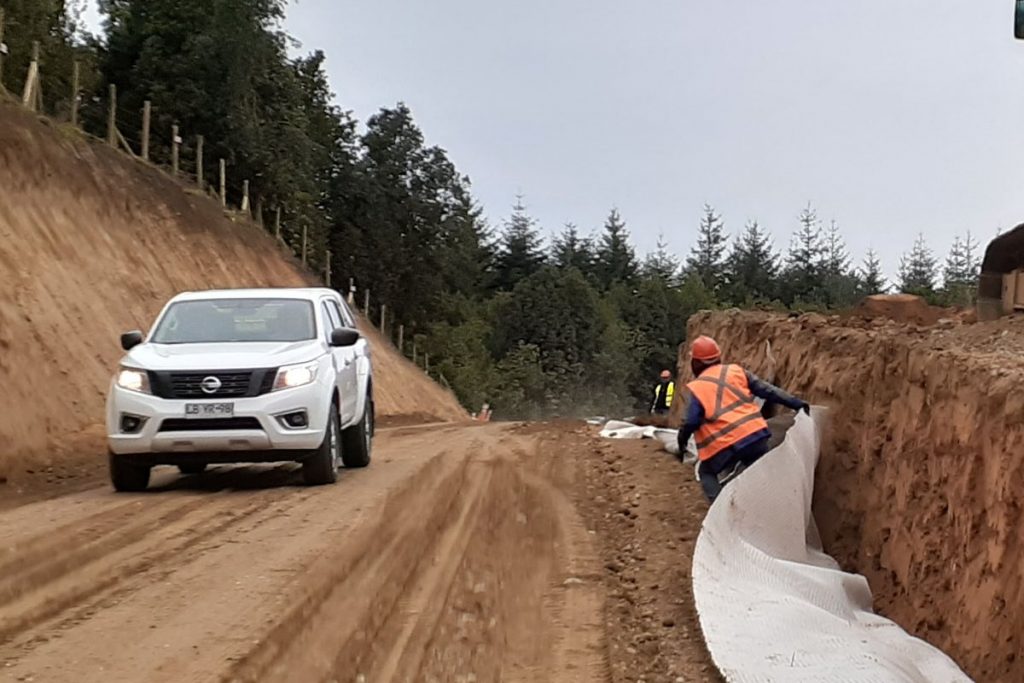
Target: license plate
point(200, 411)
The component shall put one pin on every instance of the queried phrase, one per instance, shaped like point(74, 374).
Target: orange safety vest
point(730, 413)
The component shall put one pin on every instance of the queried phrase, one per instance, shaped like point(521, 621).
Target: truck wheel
point(322, 467)
point(128, 476)
point(357, 440)
point(192, 468)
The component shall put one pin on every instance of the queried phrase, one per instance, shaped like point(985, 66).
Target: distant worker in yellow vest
point(723, 415)
point(664, 393)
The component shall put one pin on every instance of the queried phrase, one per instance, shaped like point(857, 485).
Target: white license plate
point(200, 411)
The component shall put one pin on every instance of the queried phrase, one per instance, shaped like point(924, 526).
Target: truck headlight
point(133, 380)
point(295, 376)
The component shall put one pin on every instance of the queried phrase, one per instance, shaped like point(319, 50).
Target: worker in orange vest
point(723, 416)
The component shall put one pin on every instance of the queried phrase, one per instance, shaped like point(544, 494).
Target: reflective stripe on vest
point(730, 410)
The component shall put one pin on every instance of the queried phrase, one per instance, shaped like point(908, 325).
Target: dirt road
point(464, 553)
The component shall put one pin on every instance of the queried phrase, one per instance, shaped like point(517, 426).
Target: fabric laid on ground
point(773, 606)
point(617, 429)
point(669, 438)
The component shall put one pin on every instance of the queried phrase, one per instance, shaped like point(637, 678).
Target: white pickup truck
point(239, 376)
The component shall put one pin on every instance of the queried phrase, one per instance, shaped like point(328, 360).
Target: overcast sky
point(890, 117)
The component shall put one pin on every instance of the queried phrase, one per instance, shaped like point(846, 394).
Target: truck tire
point(128, 476)
point(322, 466)
point(192, 468)
point(357, 440)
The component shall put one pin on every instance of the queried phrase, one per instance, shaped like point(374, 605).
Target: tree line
point(582, 321)
point(573, 324)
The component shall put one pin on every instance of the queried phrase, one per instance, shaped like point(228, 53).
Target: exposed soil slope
point(404, 393)
point(920, 482)
point(92, 244)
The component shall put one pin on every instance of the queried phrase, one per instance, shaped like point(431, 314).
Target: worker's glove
point(806, 407)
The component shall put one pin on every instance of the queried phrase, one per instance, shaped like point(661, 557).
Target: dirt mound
point(901, 308)
point(920, 479)
point(92, 244)
point(646, 510)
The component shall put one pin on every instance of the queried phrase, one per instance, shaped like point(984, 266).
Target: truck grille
point(212, 425)
point(233, 384)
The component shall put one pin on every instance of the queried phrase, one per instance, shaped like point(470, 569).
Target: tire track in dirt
point(457, 556)
point(356, 589)
point(460, 582)
point(50, 556)
point(114, 566)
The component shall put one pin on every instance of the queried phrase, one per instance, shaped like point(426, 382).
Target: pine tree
point(661, 264)
point(836, 260)
point(520, 253)
point(918, 270)
point(838, 279)
point(616, 258)
point(960, 275)
point(569, 250)
point(804, 263)
point(752, 266)
point(870, 278)
point(707, 258)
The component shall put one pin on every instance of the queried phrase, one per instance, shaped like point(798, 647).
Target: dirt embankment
point(920, 481)
point(405, 394)
point(92, 244)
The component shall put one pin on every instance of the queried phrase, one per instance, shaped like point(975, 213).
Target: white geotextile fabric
point(669, 438)
point(773, 606)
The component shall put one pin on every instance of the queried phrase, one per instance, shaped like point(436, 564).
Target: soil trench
point(463, 553)
point(920, 478)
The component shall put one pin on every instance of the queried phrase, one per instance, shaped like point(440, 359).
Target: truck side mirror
point(344, 336)
point(129, 340)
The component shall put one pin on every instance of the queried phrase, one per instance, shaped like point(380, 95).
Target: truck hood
point(229, 356)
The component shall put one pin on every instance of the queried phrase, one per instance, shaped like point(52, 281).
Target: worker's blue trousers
point(727, 460)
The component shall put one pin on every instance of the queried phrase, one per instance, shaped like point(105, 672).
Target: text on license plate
point(209, 410)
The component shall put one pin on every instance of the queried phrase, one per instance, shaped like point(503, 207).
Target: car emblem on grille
point(210, 385)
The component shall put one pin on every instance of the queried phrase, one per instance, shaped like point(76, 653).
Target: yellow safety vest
point(670, 393)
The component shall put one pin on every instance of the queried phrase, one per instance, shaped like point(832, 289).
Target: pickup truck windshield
point(236, 320)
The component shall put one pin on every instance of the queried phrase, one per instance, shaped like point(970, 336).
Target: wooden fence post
point(327, 269)
point(401, 339)
point(245, 196)
point(76, 88)
point(414, 355)
point(147, 111)
point(175, 144)
point(426, 363)
point(383, 319)
point(112, 117)
point(2, 19)
point(366, 304)
point(200, 141)
point(29, 96)
point(305, 240)
point(223, 183)
point(277, 224)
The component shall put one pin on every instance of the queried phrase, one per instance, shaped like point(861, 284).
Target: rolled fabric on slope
point(773, 606)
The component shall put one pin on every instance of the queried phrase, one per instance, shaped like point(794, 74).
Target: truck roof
point(308, 293)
